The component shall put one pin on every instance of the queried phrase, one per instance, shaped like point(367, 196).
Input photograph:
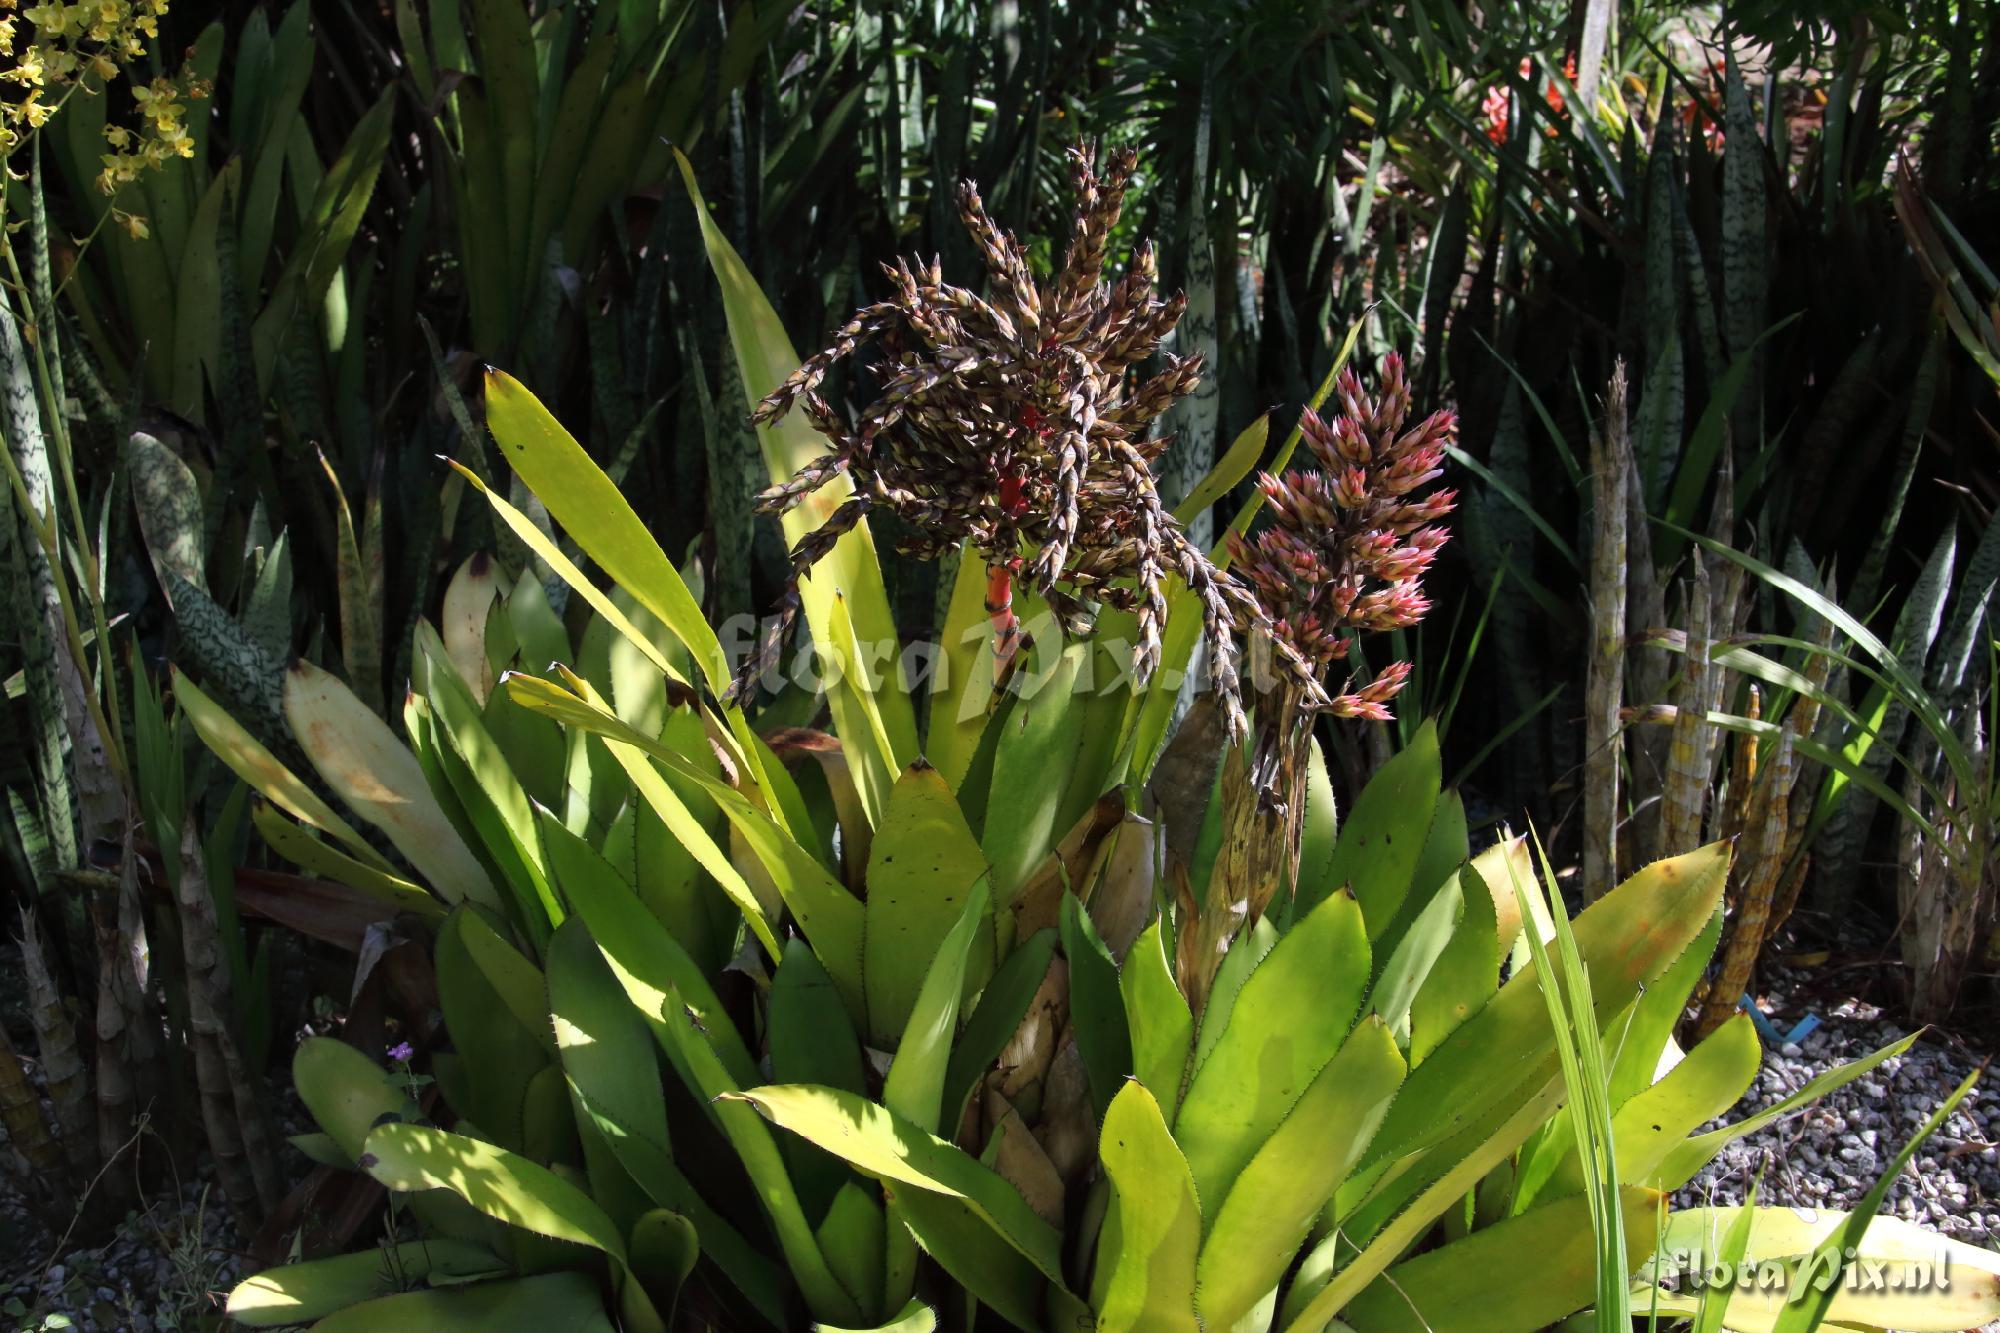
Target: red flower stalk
point(1347, 548)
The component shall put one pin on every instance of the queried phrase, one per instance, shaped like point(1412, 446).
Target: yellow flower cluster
point(162, 132)
point(71, 48)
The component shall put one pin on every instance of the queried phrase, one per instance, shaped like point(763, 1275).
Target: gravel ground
point(1831, 1153)
point(168, 1266)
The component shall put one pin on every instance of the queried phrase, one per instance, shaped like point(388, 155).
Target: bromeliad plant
point(881, 1043)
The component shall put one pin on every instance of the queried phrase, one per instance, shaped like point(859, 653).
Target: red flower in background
point(1497, 103)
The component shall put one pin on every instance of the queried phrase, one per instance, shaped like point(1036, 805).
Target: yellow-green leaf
point(1257, 1229)
point(301, 1293)
point(249, 760)
point(1152, 1234)
point(880, 1143)
point(923, 865)
point(378, 777)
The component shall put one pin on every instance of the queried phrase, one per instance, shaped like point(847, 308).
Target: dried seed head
point(1007, 423)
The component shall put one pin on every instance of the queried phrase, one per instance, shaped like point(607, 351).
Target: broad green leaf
point(1002, 1006)
point(378, 777)
point(498, 1183)
point(852, 1235)
point(1289, 1019)
point(882, 1144)
point(1701, 1087)
point(345, 1091)
point(1158, 1022)
point(1523, 1274)
point(1246, 951)
point(1036, 742)
point(1254, 1232)
point(916, 1317)
point(1152, 1233)
point(755, 1275)
point(1638, 1044)
point(647, 961)
point(1383, 836)
point(664, 1248)
point(853, 677)
point(443, 770)
point(922, 868)
point(1318, 834)
point(518, 982)
point(830, 916)
point(248, 759)
point(500, 1055)
point(1329, 1277)
point(588, 505)
point(1096, 1006)
point(606, 1050)
point(952, 1232)
point(812, 1040)
point(755, 1147)
point(1626, 938)
point(1232, 467)
point(551, 1303)
point(545, 549)
point(484, 778)
point(962, 679)
point(1416, 953)
point(914, 1088)
point(320, 1149)
point(618, 541)
point(303, 1292)
point(1705, 1084)
point(1446, 848)
point(1464, 977)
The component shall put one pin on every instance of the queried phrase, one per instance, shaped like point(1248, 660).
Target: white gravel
point(1831, 1153)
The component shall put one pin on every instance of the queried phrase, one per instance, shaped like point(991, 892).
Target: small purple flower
point(401, 1052)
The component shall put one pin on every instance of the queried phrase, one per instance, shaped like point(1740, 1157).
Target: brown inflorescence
point(1347, 547)
point(1013, 424)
